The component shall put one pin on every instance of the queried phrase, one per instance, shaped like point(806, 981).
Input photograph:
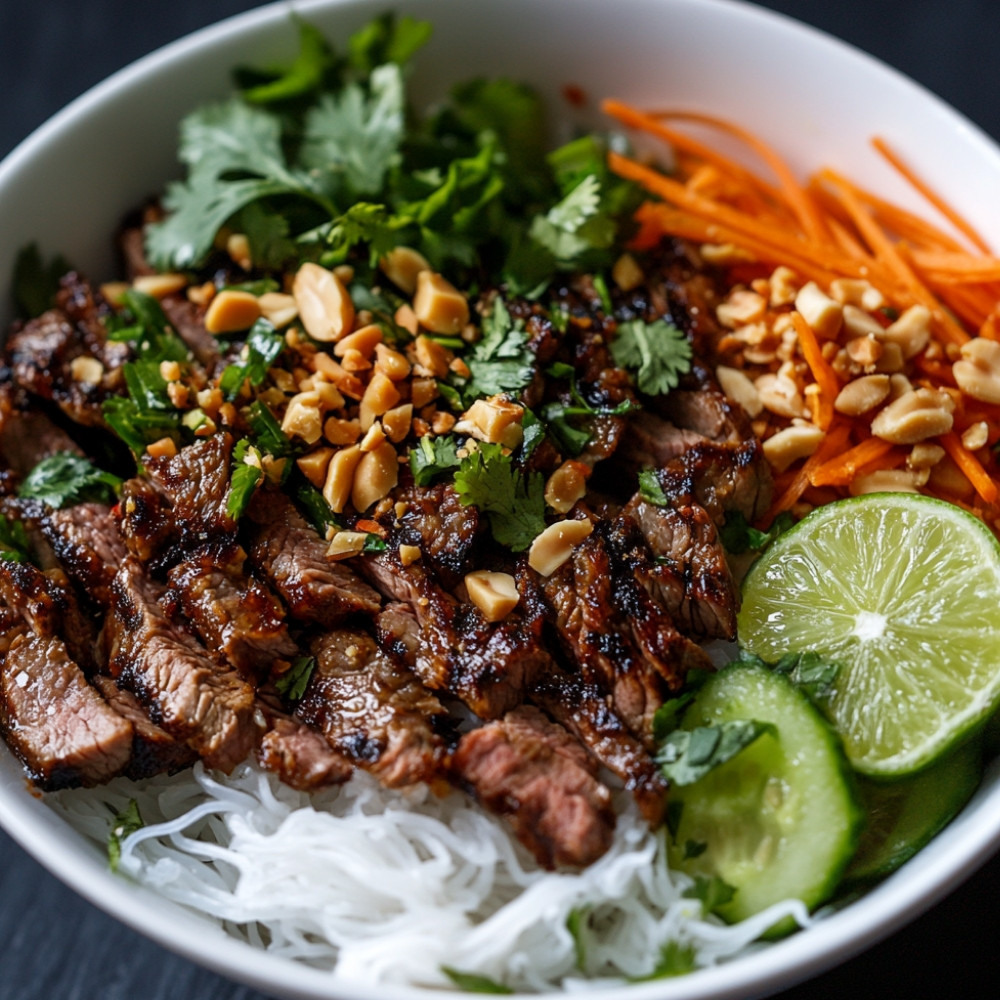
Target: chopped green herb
point(125, 823)
point(155, 339)
point(513, 500)
point(651, 490)
point(807, 671)
point(433, 458)
point(303, 77)
point(739, 536)
point(471, 982)
point(657, 352)
point(316, 509)
point(14, 544)
point(601, 287)
point(64, 479)
point(263, 345)
point(711, 890)
point(293, 682)
point(374, 544)
point(675, 959)
point(500, 361)
point(534, 434)
point(694, 849)
point(667, 717)
point(247, 475)
point(687, 755)
point(576, 924)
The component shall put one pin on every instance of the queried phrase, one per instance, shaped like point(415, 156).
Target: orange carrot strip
point(960, 223)
point(796, 196)
point(824, 375)
point(831, 445)
point(978, 268)
point(842, 469)
point(971, 467)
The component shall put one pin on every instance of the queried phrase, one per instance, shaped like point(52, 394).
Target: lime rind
point(903, 591)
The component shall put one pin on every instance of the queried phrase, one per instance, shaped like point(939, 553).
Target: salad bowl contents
point(365, 529)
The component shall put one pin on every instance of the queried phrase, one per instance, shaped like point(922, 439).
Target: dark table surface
point(53, 945)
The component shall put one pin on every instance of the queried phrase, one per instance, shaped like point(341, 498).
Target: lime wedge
point(903, 592)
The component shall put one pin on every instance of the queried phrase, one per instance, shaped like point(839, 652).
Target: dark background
point(54, 946)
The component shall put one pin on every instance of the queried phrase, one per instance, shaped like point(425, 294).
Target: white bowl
point(817, 100)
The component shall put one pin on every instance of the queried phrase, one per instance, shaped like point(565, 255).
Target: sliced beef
point(650, 441)
point(88, 545)
point(372, 712)
point(154, 751)
point(61, 729)
point(188, 320)
point(489, 666)
point(28, 435)
point(585, 711)
point(233, 613)
point(41, 353)
point(434, 519)
point(147, 528)
point(617, 637)
point(48, 605)
point(285, 548)
point(194, 698)
point(682, 565)
point(533, 773)
point(300, 756)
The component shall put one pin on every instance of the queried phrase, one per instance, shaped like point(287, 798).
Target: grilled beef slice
point(487, 666)
point(28, 435)
point(286, 549)
point(533, 773)
point(191, 696)
point(61, 729)
point(371, 710)
point(297, 753)
point(154, 751)
point(232, 612)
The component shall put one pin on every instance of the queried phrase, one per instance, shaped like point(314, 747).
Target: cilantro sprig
point(658, 353)
point(64, 479)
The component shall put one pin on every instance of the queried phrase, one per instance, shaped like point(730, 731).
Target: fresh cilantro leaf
point(739, 536)
point(561, 422)
point(259, 287)
point(675, 959)
point(711, 890)
point(651, 490)
point(303, 77)
point(352, 138)
point(316, 509)
point(14, 544)
point(369, 223)
point(64, 479)
point(138, 427)
point(268, 233)
point(387, 39)
point(293, 682)
point(574, 225)
point(36, 282)
point(500, 361)
point(154, 335)
point(247, 475)
point(667, 717)
point(687, 755)
point(123, 825)
point(576, 924)
point(472, 982)
point(657, 352)
point(267, 432)
point(374, 544)
point(534, 434)
point(810, 672)
point(263, 345)
point(513, 500)
point(433, 457)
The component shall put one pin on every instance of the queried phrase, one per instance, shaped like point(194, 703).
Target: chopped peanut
point(231, 311)
point(315, 464)
point(409, 554)
point(340, 477)
point(823, 314)
point(86, 369)
point(396, 422)
point(345, 544)
point(380, 396)
point(555, 545)
point(566, 485)
point(278, 308)
point(325, 306)
point(363, 340)
point(303, 417)
point(438, 305)
point(377, 473)
point(401, 266)
point(159, 285)
point(626, 273)
point(495, 594)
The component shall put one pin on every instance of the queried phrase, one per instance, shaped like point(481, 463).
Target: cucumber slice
point(780, 819)
point(905, 815)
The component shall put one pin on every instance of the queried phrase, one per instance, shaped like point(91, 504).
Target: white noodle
point(386, 886)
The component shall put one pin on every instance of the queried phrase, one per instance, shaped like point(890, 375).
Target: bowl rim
point(839, 936)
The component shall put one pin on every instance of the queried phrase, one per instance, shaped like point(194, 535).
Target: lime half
point(903, 592)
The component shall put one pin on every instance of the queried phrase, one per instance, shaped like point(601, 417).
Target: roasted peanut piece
point(724, 254)
point(163, 448)
point(783, 286)
point(238, 248)
point(363, 341)
point(325, 306)
point(396, 422)
point(740, 308)
point(86, 369)
point(978, 372)
point(438, 305)
point(865, 351)
point(114, 290)
point(780, 395)
point(432, 356)
point(822, 313)
point(380, 395)
point(566, 485)
point(862, 395)
point(340, 477)
point(626, 273)
point(915, 416)
point(401, 265)
point(857, 292)
point(339, 431)
point(159, 285)
point(912, 331)
point(555, 545)
point(314, 465)
point(345, 544)
point(391, 363)
point(495, 419)
point(858, 323)
point(377, 473)
point(231, 311)
point(791, 444)
point(925, 455)
point(278, 308)
point(423, 391)
point(303, 417)
point(374, 437)
point(890, 481)
point(409, 554)
point(495, 594)
point(738, 387)
point(976, 435)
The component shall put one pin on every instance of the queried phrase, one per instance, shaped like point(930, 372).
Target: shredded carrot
point(838, 436)
point(825, 377)
point(931, 195)
point(971, 467)
point(841, 470)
